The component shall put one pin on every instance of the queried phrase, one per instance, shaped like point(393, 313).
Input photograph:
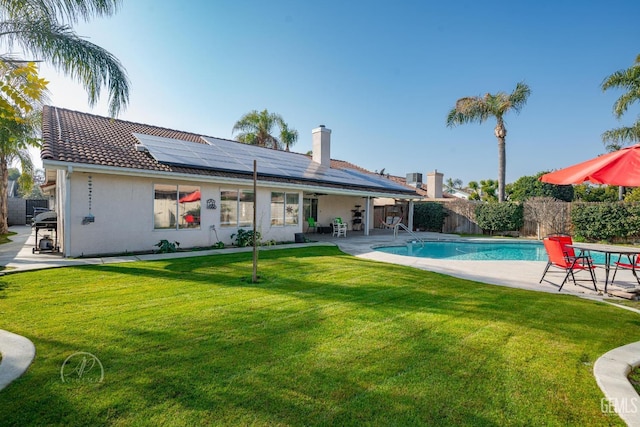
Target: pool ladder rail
point(405, 228)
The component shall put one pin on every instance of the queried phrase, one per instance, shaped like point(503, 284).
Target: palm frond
point(91, 65)
point(617, 137)
point(70, 11)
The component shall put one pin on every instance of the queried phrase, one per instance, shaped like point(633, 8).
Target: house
point(387, 209)
point(119, 186)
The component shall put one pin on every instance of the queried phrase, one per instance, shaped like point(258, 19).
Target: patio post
point(367, 204)
point(410, 218)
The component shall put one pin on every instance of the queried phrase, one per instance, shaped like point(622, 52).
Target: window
point(284, 208)
point(236, 208)
point(176, 206)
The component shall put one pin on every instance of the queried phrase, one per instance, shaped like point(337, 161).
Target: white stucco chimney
point(321, 138)
point(434, 184)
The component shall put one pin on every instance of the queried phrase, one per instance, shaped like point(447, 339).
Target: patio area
point(516, 274)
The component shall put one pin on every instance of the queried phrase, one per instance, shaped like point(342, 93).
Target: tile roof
point(76, 137)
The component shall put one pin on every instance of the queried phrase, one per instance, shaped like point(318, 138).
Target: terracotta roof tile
point(75, 137)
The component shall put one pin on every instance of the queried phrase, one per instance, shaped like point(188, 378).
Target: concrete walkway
point(610, 370)
point(17, 354)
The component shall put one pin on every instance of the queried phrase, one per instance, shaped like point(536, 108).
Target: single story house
point(119, 186)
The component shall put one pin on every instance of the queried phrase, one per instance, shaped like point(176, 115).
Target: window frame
point(285, 219)
point(241, 197)
point(174, 206)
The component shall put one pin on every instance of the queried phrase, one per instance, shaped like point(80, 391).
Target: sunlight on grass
point(324, 338)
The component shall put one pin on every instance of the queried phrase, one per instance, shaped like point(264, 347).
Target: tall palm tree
point(629, 80)
point(288, 137)
point(480, 108)
point(256, 128)
point(41, 28)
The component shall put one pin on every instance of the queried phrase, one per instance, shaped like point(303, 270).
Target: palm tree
point(256, 128)
point(480, 108)
point(288, 136)
point(453, 184)
point(629, 80)
point(42, 28)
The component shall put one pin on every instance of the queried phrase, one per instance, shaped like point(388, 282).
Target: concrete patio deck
point(516, 274)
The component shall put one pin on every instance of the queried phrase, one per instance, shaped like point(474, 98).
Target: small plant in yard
point(218, 245)
point(165, 246)
point(246, 237)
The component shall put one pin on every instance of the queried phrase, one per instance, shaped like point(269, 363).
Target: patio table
point(629, 251)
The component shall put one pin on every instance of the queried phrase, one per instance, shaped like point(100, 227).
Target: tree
point(595, 193)
point(629, 80)
point(288, 137)
point(256, 128)
point(21, 92)
point(488, 189)
point(453, 184)
point(527, 187)
point(480, 108)
point(474, 190)
point(42, 28)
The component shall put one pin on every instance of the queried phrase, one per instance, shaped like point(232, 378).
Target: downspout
point(66, 226)
point(366, 215)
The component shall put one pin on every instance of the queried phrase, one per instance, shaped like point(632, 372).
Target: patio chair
point(560, 259)
point(339, 227)
point(312, 224)
point(633, 266)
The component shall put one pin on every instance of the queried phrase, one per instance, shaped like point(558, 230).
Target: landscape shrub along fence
point(500, 217)
point(608, 221)
point(591, 221)
point(429, 216)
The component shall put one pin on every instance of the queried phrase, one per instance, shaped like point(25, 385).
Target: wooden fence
point(542, 216)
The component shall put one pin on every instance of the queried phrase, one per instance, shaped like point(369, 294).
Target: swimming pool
point(502, 250)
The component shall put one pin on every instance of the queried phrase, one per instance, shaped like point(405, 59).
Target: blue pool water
point(474, 250)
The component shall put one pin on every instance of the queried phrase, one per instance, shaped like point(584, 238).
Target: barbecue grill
point(46, 221)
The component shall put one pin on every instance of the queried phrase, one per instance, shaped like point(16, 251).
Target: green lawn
point(6, 238)
point(324, 338)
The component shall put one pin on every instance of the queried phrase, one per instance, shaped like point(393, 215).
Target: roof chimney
point(434, 184)
point(321, 138)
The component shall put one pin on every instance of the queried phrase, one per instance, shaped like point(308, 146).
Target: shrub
point(429, 216)
point(246, 237)
point(505, 216)
point(165, 246)
point(606, 220)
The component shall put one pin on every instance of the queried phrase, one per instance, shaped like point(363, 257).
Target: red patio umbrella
point(191, 197)
point(620, 167)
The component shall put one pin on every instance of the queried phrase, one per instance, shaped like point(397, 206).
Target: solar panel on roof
point(224, 155)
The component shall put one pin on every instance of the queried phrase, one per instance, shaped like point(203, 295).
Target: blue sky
point(381, 75)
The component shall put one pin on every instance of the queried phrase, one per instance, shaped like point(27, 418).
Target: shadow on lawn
point(315, 275)
point(310, 344)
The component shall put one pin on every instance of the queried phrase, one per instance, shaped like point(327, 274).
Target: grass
point(4, 238)
point(629, 303)
point(634, 378)
point(323, 338)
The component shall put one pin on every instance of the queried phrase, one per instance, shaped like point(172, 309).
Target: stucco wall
point(123, 211)
point(330, 207)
